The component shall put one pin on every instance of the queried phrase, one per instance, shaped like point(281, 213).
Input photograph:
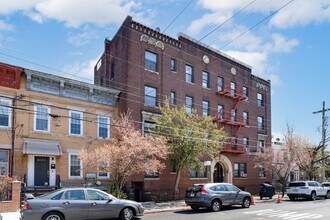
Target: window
point(150, 61)
point(112, 69)
point(261, 145)
point(206, 108)
point(246, 143)
point(42, 118)
point(246, 118)
point(4, 162)
point(234, 115)
point(173, 65)
point(260, 100)
point(220, 83)
point(74, 195)
point(189, 74)
point(262, 172)
point(189, 104)
point(220, 112)
point(246, 93)
point(260, 123)
point(232, 188)
point(232, 89)
point(96, 195)
point(102, 171)
point(76, 123)
point(150, 96)
point(195, 173)
point(234, 141)
point(206, 79)
point(75, 166)
point(5, 113)
point(240, 170)
point(104, 127)
point(148, 127)
point(172, 166)
point(173, 99)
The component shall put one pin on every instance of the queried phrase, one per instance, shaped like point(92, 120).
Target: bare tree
point(310, 157)
point(127, 154)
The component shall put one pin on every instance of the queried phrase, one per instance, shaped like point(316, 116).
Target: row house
point(149, 67)
point(45, 121)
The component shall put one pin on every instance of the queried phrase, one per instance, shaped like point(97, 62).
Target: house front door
point(41, 171)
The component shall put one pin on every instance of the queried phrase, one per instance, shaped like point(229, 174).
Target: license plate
point(192, 194)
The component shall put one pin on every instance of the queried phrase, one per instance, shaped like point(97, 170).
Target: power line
point(177, 16)
point(216, 28)
point(269, 16)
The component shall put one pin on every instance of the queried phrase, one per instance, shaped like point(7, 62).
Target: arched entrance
point(218, 175)
point(221, 170)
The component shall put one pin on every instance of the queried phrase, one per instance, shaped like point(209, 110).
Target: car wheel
point(292, 198)
point(328, 195)
point(246, 202)
point(313, 196)
point(126, 214)
point(215, 205)
point(53, 216)
point(195, 208)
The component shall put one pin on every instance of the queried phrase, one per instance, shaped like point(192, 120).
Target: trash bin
point(266, 190)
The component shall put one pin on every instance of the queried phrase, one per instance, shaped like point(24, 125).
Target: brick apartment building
point(54, 118)
point(148, 67)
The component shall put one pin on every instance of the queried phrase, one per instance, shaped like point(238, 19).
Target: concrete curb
point(153, 211)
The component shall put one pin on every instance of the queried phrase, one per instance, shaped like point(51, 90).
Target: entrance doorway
point(41, 171)
point(218, 175)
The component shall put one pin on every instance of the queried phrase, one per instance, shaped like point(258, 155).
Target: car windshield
point(297, 184)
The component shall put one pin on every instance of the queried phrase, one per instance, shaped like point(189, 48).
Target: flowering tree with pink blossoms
point(128, 153)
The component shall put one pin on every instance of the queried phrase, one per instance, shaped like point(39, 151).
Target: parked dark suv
point(216, 195)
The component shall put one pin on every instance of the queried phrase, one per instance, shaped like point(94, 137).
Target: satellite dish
point(158, 29)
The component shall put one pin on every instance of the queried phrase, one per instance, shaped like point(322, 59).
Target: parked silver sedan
point(79, 203)
point(216, 195)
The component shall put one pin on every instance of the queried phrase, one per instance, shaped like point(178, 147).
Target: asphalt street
point(287, 210)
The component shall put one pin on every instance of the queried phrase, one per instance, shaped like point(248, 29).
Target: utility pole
point(323, 137)
point(13, 136)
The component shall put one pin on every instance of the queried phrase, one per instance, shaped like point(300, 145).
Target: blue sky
point(290, 48)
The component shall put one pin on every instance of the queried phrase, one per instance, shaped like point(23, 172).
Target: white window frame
point(35, 117)
point(6, 164)
point(81, 123)
point(9, 111)
point(103, 177)
point(69, 167)
point(98, 127)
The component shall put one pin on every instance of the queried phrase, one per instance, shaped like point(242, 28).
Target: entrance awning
point(42, 147)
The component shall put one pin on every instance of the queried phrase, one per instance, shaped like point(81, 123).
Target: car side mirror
point(109, 200)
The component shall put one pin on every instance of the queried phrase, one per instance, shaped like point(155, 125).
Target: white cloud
point(10, 6)
point(75, 13)
point(281, 44)
point(81, 38)
point(258, 60)
point(297, 13)
point(82, 71)
point(301, 13)
point(208, 19)
point(6, 27)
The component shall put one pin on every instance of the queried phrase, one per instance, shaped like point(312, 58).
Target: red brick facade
point(122, 66)
point(15, 204)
